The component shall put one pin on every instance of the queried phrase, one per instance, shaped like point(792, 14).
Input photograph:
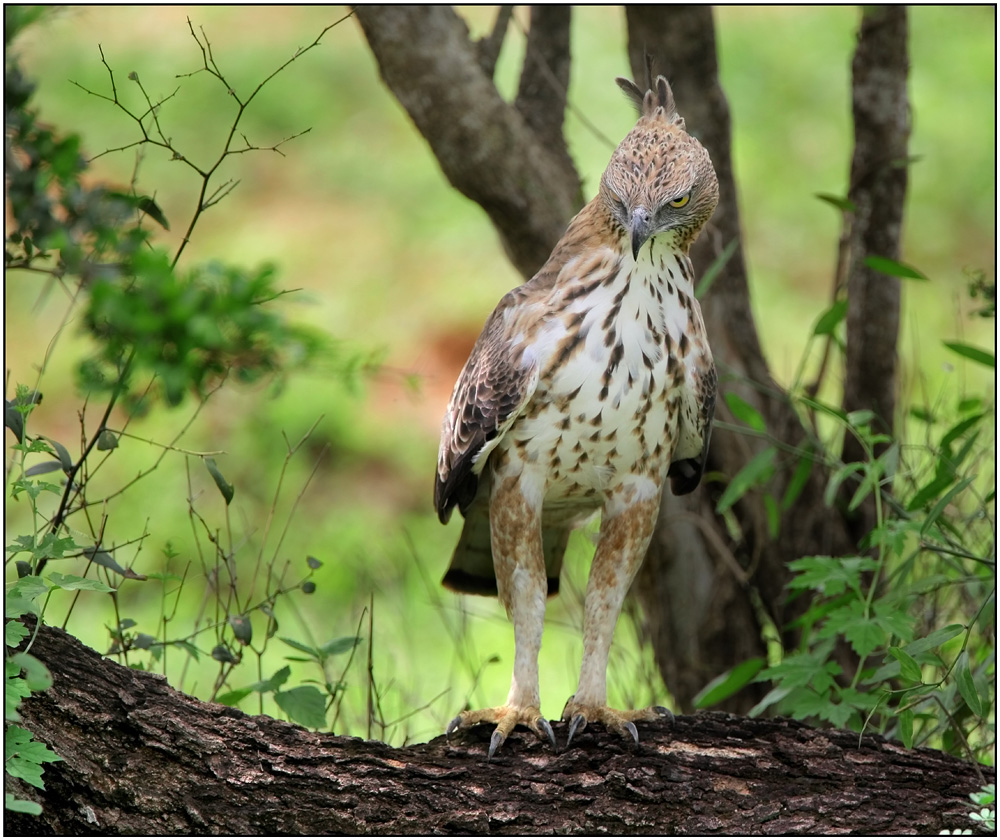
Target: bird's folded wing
point(695, 430)
point(491, 392)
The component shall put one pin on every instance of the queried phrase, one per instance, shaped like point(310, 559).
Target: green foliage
point(25, 674)
point(159, 331)
point(899, 637)
point(305, 705)
point(985, 800)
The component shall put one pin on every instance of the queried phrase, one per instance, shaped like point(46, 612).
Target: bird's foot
point(621, 721)
point(506, 718)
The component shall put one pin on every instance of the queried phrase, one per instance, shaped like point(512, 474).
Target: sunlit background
point(400, 269)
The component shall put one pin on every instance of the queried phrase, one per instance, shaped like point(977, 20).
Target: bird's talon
point(456, 722)
point(579, 722)
point(546, 727)
point(663, 711)
point(495, 743)
point(630, 728)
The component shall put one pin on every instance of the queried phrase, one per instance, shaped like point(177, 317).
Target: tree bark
point(140, 758)
point(501, 157)
point(878, 192)
point(702, 592)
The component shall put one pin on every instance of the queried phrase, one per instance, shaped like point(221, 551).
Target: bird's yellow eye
point(681, 201)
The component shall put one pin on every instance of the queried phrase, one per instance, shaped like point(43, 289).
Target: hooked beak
point(640, 229)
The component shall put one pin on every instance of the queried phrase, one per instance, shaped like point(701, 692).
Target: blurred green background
point(390, 260)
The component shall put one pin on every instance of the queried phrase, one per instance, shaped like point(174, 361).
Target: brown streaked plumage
point(589, 386)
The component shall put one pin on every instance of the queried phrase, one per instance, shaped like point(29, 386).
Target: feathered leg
point(520, 570)
point(621, 547)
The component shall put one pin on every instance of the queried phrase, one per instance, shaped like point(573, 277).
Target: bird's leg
point(521, 582)
point(622, 544)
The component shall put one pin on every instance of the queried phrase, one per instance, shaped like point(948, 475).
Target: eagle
point(590, 385)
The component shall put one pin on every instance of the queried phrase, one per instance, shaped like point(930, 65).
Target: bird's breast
point(611, 361)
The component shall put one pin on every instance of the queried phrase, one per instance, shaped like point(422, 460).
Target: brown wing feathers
point(491, 389)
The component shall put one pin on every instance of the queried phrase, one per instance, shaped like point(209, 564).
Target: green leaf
point(974, 353)
point(232, 698)
point(934, 640)
point(838, 478)
point(304, 705)
point(73, 582)
point(42, 468)
point(275, 681)
point(15, 607)
point(713, 271)
point(224, 486)
point(13, 420)
point(863, 632)
point(803, 469)
point(24, 757)
point(152, 209)
point(906, 728)
point(185, 645)
point(773, 516)
point(342, 645)
point(803, 669)
point(103, 558)
point(758, 470)
point(895, 621)
point(106, 440)
point(966, 685)
point(242, 628)
point(744, 412)
point(20, 806)
point(36, 675)
point(828, 321)
point(830, 575)
point(893, 268)
point(30, 586)
point(960, 428)
point(315, 654)
point(837, 201)
point(908, 667)
point(775, 695)
point(14, 691)
point(220, 653)
point(929, 491)
point(728, 683)
point(62, 453)
point(13, 633)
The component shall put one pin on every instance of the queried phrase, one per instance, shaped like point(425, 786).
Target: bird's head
point(660, 178)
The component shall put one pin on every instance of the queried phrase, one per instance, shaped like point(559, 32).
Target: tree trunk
point(878, 192)
point(140, 758)
point(706, 594)
point(510, 159)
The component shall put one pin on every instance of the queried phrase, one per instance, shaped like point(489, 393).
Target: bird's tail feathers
point(471, 570)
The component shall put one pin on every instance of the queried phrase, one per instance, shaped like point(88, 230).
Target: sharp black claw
point(663, 711)
point(630, 728)
point(547, 729)
point(578, 722)
point(495, 743)
point(455, 723)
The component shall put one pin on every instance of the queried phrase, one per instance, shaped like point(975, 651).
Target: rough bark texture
point(878, 192)
point(490, 151)
point(141, 758)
